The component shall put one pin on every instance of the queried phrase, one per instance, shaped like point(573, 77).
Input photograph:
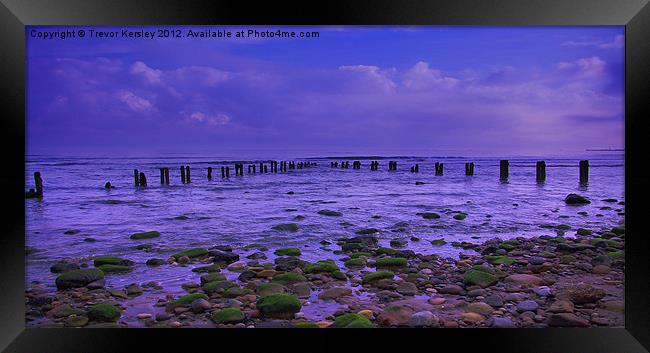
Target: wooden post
point(227, 172)
point(223, 172)
point(182, 174)
point(417, 168)
point(503, 169)
point(540, 171)
point(136, 177)
point(266, 169)
point(209, 173)
point(38, 182)
point(439, 169)
point(584, 171)
point(143, 179)
point(187, 174)
point(166, 176)
point(162, 176)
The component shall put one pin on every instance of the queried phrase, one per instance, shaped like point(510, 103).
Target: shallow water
point(241, 211)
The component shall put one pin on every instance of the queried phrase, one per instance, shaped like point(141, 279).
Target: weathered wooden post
point(469, 169)
point(540, 171)
point(187, 174)
point(266, 168)
point(439, 169)
point(162, 176)
point(228, 172)
point(135, 177)
point(108, 185)
point(417, 168)
point(143, 179)
point(584, 171)
point(38, 183)
point(166, 176)
point(223, 172)
point(503, 169)
point(182, 174)
point(209, 173)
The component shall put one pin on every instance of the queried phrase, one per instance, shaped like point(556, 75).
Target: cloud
point(211, 120)
point(617, 42)
point(150, 75)
point(421, 76)
point(371, 75)
point(135, 103)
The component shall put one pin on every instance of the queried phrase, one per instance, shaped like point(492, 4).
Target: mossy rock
point(616, 255)
point(438, 242)
point(115, 268)
point(391, 262)
point(607, 235)
point(212, 277)
point(357, 262)
point(207, 269)
point(265, 289)
point(339, 275)
point(78, 278)
point(214, 286)
point(500, 260)
point(111, 260)
point(104, 312)
point(386, 251)
point(352, 321)
point(288, 252)
point(286, 227)
point(305, 324)
point(563, 227)
point(146, 246)
point(356, 255)
point(428, 215)
point(155, 262)
point(347, 247)
point(567, 259)
point(228, 316)
point(289, 277)
point(327, 266)
point(234, 292)
point(513, 242)
point(371, 277)
point(185, 300)
point(584, 231)
point(506, 246)
point(145, 235)
point(191, 253)
point(282, 306)
point(618, 230)
point(330, 213)
point(460, 216)
point(479, 278)
point(367, 231)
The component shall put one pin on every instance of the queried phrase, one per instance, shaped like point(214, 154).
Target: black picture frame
point(633, 14)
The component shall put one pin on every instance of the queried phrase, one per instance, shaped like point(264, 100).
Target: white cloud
point(212, 120)
point(150, 75)
point(136, 103)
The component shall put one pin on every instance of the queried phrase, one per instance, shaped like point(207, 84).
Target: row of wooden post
point(415, 168)
point(439, 168)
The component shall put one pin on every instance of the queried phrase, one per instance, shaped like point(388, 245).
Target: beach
point(325, 246)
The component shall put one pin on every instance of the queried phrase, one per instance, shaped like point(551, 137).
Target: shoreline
point(526, 282)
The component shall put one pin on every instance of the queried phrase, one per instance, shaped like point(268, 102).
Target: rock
point(582, 293)
point(115, 268)
point(566, 320)
point(302, 290)
point(372, 277)
point(472, 317)
point(257, 256)
point(288, 252)
point(561, 306)
point(330, 213)
point(220, 256)
point(279, 305)
point(451, 289)
point(286, 227)
point(133, 290)
point(536, 260)
point(288, 278)
point(477, 292)
point(288, 263)
point(200, 305)
point(111, 260)
point(480, 308)
point(162, 317)
point(395, 315)
point(98, 284)
point(144, 316)
point(237, 266)
point(438, 242)
point(514, 297)
point(185, 300)
point(367, 314)
point(600, 270)
point(501, 322)
point(155, 262)
point(391, 262)
point(183, 260)
point(145, 235)
point(407, 288)
point(61, 267)
point(351, 321)
point(191, 253)
point(65, 310)
point(76, 321)
point(479, 278)
point(428, 215)
point(423, 319)
point(398, 243)
point(78, 278)
point(575, 199)
point(524, 279)
point(104, 312)
point(266, 273)
point(493, 300)
point(334, 293)
point(527, 305)
point(356, 262)
point(228, 316)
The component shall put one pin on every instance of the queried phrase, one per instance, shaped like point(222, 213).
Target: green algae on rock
point(282, 306)
point(352, 321)
point(286, 227)
point(78, 278)
point(145, 235)
point(104, 312)
point(228, 316)
point(288, 252)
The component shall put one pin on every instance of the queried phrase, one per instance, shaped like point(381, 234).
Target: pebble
point(527, 305)
point(501, 322)
point(423, 319)
point(144, 316)
point(200, 305)
point(494, 300)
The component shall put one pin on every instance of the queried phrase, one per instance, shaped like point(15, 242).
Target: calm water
point(240, 212)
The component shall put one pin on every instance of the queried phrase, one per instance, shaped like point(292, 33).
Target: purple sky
point(376, 90)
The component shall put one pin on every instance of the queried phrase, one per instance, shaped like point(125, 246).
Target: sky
point(457, 90)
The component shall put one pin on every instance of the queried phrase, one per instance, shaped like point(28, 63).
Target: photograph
point(331, 176)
